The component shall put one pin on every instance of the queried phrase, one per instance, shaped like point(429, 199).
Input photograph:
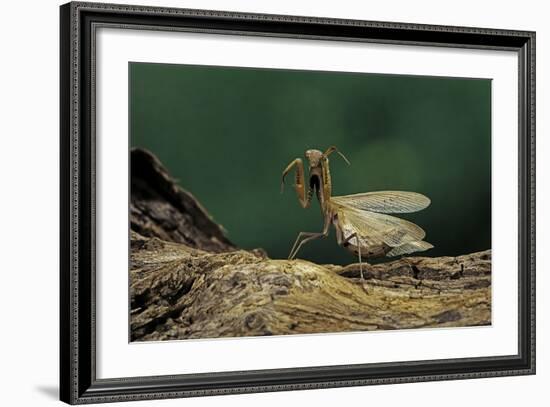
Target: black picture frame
point(78, 382)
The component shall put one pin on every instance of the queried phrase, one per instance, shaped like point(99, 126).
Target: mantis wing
point(384, 201)
point(410, 247)
point(374, 229)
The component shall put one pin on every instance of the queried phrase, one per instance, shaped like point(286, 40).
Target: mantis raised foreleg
point(304, 196)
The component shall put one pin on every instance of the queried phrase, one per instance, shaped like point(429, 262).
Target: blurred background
point(226, 134)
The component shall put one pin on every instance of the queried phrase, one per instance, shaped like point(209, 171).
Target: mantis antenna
point(333, 149)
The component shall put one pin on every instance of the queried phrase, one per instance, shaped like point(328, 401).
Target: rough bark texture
point(189, 281)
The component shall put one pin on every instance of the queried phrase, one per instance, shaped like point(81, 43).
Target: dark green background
point(227, 134)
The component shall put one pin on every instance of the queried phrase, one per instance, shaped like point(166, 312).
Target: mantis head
point(318, 161)
point(316, 157)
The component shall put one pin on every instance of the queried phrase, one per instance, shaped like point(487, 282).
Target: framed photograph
point(255, 203)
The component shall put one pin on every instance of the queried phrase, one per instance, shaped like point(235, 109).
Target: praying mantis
point(360, 220)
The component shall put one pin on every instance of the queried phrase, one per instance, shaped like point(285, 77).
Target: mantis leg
point(304, 196)
point(304, 237)
point(342, 242)
point(358, 251)
point(308, 237)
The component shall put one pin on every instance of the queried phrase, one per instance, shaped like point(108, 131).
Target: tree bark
point(189, 281)
point(160, 208)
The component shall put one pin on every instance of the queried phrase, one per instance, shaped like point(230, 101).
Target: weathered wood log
point(189, 281)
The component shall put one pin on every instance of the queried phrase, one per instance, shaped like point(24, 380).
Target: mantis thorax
point(319, 176)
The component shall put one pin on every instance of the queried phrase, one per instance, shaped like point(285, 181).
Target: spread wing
point(374, 229)
point(384, 201)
